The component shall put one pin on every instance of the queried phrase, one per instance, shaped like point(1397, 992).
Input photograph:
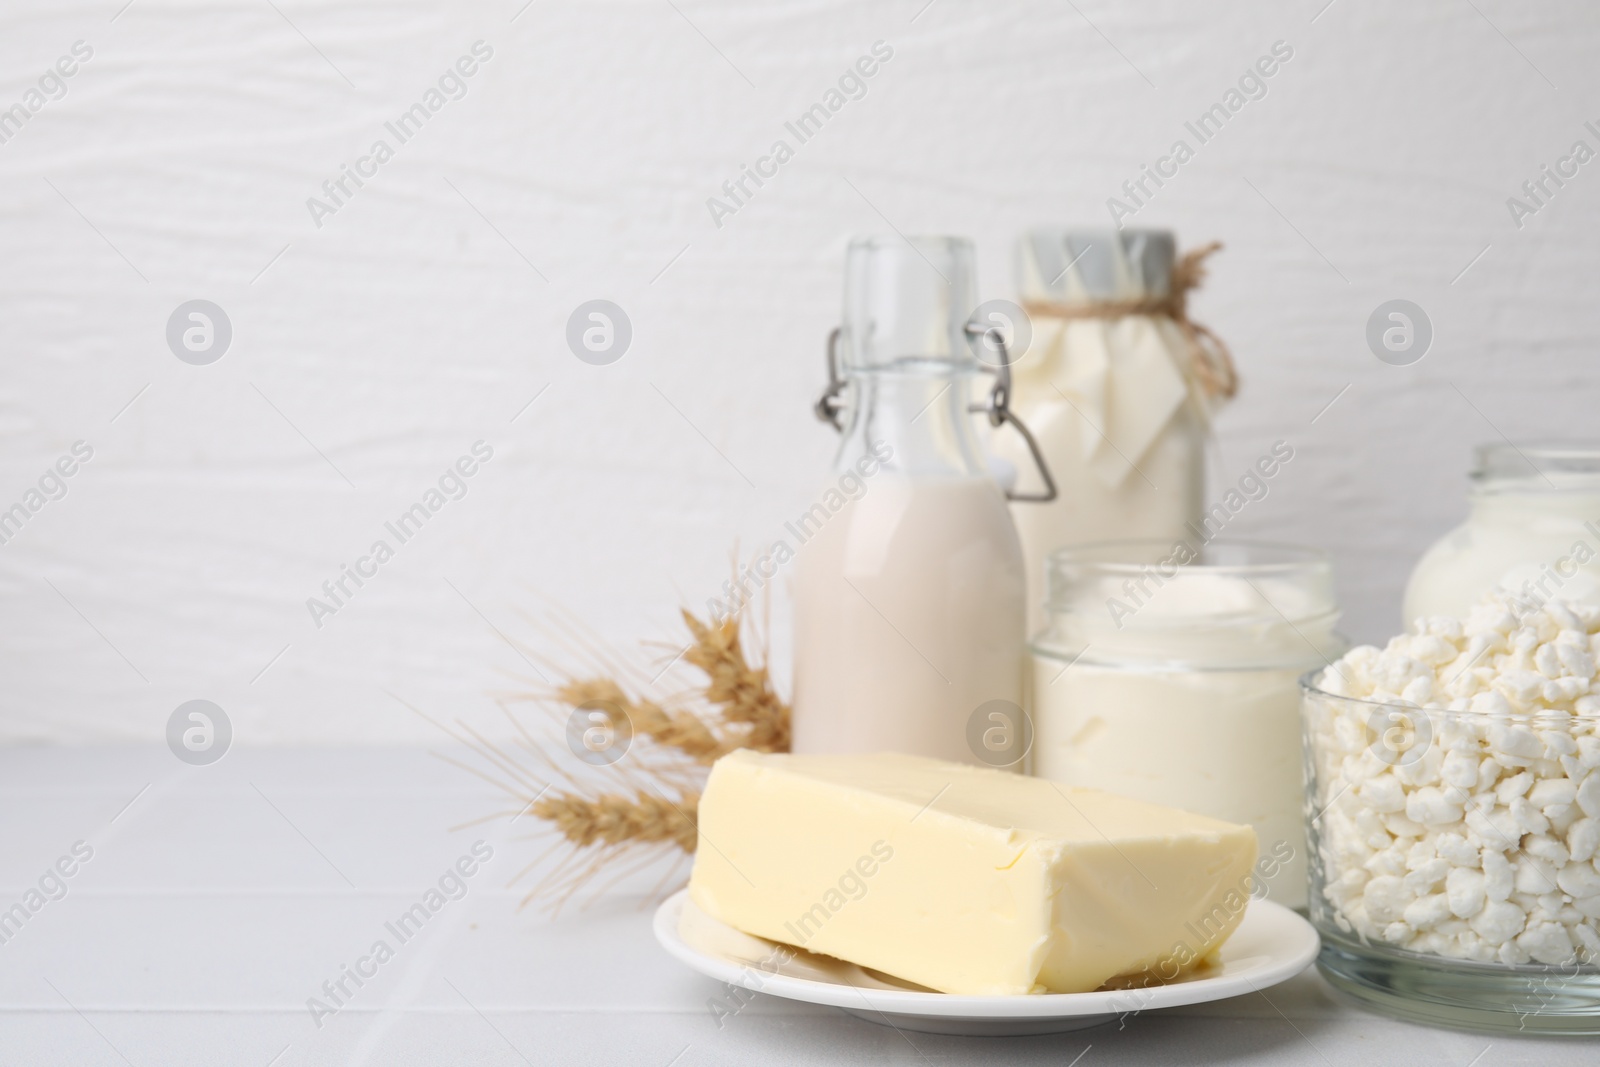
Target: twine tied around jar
point(1210, 361)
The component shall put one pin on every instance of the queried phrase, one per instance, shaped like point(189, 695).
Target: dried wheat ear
point(673, 742)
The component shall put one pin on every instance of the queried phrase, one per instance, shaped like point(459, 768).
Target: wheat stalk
point(613, 819)
point(682, 730)
point(743, 693)
point(654, 812)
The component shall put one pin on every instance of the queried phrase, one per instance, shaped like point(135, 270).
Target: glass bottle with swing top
point(909, 592)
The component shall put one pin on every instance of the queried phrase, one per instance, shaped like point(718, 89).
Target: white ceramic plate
point(1271, 944)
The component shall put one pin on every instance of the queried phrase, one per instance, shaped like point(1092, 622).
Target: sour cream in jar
point(1169, 671)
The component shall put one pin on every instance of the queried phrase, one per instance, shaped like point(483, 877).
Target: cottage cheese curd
point(1457, 786)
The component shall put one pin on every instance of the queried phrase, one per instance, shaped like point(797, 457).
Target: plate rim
point(968, 1006)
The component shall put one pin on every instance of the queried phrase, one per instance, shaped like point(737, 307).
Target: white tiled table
point(221, 898)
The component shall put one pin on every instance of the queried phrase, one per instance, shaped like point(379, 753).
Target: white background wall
point(432, 307)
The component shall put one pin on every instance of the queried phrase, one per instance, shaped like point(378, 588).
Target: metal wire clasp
point(829, 405)
point(998, 409)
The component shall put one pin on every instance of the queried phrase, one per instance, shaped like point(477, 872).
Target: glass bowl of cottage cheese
point(1453, 818)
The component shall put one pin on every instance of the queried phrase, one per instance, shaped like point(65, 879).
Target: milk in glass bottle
point(909, 598)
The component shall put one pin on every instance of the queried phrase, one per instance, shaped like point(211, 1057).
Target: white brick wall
point(432, 305)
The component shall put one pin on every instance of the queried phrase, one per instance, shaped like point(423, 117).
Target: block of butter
point(964, 879)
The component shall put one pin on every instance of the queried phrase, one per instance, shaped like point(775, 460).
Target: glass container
point(1532, 530)
point(1453, 877)
point(1117, 415)
point(908, 592)
point(1169, 672)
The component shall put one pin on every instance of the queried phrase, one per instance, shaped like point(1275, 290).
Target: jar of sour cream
point(1169, 672)
point(1532, 531)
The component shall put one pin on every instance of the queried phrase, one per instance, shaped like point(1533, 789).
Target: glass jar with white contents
point(1169, 672)
point(1483, 911)
point(1532, 531)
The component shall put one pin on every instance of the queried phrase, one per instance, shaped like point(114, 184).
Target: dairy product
point(1096, 502)
point(1226, 743)
point(964, 879)
point(1534, 544)
point(908, 617)
point(1188, 694)
point(1115, 414)
point(908, 600)
point(1533, 531)
point(1457, 782)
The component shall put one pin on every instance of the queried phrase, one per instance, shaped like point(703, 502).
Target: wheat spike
point(682, 730)
point(743, 693)
point(651, 811)
point(613, 819)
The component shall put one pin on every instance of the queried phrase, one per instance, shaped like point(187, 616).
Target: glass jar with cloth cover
point(1118, 386)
